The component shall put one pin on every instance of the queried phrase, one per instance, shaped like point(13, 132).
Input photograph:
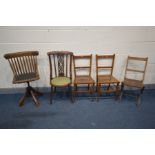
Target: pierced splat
point(61, 65)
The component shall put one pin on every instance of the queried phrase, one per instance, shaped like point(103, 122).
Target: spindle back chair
point(25, 69)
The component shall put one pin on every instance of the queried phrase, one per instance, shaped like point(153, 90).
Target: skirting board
point(45, 89)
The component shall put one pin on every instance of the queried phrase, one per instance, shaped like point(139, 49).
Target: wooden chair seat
point(133, 83)
point(107, 79)
point(25, 77)
point(60, 81)
point(84, 80)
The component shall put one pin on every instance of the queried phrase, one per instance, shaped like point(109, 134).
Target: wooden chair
point(25, 69)
point(134, 76)
point(60, 70)
point(108, 80)
point(83, 79)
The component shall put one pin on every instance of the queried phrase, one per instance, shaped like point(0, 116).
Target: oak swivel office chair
point(25, 69)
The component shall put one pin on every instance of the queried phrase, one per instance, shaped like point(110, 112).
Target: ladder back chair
point(107, 79)
point(83, 79)
point(134, 76)
point(25, 70)
point(60, 71)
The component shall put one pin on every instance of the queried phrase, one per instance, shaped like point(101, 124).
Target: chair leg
point(51, 95)
point(139, 97)
point(23, 98)
point(74, 91)
point(117, 91)
point(34, 98)
point(71, 93)
point(122, 89)
point(30, 92)
point(98, 91)
point(92, 91)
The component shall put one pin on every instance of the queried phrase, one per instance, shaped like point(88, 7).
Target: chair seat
point(107, 79)
point(84, 80)
point(133, 83)
point(27, 77)
point(60, 81)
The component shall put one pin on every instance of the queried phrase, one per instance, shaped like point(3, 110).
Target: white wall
point(123, 41)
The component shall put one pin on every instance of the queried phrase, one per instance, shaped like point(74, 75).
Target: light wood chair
point(60, 71)
point(83, 79)
point(25, 69)
point(106, 79)
point(136, 67)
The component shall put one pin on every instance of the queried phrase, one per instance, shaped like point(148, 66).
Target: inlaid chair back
point(60, 64)
point(23, 64)
point(78, 68)
point(136, 66)
point(109, 67)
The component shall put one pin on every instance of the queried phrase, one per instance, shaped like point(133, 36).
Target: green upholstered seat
point(60, 81)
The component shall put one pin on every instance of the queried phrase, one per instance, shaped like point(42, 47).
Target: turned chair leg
point(98, 91)
point(71, 93)
point(139, 97)
point(117, 91)
point(51, 95)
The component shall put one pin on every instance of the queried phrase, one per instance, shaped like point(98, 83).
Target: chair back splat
point(60, 64)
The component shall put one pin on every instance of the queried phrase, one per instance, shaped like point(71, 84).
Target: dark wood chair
point(83, 79)
point(60, 70)
point(106, 79)
point(25, 69)
point(134, 76)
